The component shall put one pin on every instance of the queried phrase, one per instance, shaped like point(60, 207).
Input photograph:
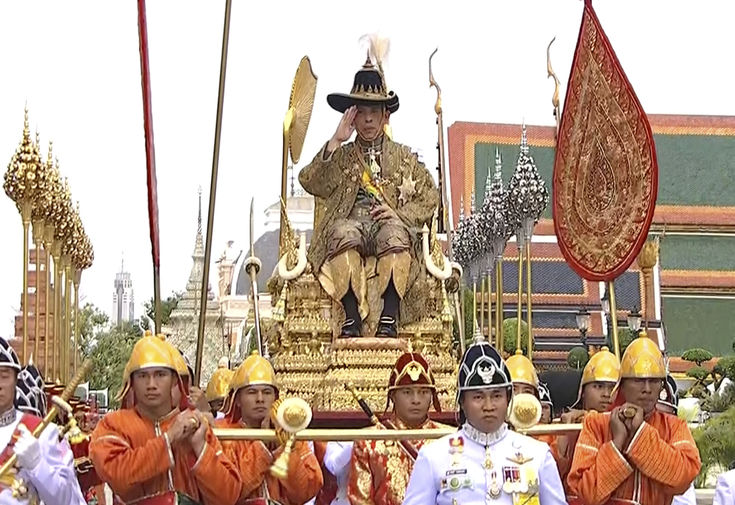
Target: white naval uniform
point(725, 490)
point(689, 497)
point(54, 480)
point(445, 475)
point(337, 460)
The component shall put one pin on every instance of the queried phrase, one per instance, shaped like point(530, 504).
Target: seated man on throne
point(377, 197)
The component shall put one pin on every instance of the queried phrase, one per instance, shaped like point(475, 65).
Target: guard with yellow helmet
point(599, 378)
point(522, 374)
point(218, 387)
point(634, 453)
point(250, 402)
point(485, 462)
point(150, 451)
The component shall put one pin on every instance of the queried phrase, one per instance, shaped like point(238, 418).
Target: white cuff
point(635, 437)
point(200, 456)
point(617, 451)
point(170, 452)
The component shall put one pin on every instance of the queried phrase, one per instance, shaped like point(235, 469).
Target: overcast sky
point(76, 65)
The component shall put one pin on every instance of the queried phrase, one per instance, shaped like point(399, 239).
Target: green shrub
point(716, 443)
point(510, 335)
point(697, 355)
point(577, 358)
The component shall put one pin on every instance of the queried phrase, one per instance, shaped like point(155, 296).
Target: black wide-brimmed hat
point(368, 88)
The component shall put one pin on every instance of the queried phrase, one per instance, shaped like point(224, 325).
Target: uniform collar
point(8, 417)
point(403, 426)
point(483, 438)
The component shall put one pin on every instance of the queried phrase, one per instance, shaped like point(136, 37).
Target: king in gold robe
point(376, 196)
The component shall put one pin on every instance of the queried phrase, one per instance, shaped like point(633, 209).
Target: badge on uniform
point(456, 447)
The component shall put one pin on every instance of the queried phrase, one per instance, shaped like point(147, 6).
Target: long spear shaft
point(212, 192)
point(150, 158)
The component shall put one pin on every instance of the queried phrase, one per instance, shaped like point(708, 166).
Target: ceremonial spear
point(446, 221)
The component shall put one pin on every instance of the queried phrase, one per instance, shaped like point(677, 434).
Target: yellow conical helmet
point(521, 369)
point(603, 366)
point(642, 360)
point(254, 371)
point(219, 384)
point(179, 362)
point(148, 352)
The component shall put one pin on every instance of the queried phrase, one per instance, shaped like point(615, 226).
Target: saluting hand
point(345, 129)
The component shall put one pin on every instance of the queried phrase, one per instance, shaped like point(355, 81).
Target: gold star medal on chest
point(407, 189)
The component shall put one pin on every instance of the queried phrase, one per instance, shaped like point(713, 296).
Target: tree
point(92, 321)
point(510, 335)
point(698, 373)
point(167, 306)
point(577, 358)
point(110, 356)
point(697, 356)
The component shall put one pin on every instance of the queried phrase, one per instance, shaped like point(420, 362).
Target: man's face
point(485, 409)
point(8, 377)
point(369, 121)
point(153, 388)
point(255, 403)
point(545, 413)
point(412, 404)
point(642, 392)
point(520, 387)
point(597, 396)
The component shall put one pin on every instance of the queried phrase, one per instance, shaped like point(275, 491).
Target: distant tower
point(123, 302)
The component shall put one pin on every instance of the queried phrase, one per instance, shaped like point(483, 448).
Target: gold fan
point(291, 415)
point(296, 121)
point(525, 411)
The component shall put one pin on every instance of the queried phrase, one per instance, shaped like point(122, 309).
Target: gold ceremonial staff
point(341, 434)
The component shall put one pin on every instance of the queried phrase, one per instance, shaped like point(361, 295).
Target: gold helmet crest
point(603, 366)
point(642, 360)
point(219, 384)
point(521, 369)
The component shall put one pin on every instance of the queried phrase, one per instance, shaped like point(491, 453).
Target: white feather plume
point(378, 48)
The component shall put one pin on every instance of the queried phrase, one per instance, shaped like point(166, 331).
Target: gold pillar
point(499, 340)
point(55, 361)
point(75, 356)
point(519, 313)
point(37, 241)
point(67, 322)
point(48, 239)
point(614, 317)
point(528, 299)
point(25, 214)
point(482, 304)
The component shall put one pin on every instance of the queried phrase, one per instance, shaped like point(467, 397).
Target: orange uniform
point(253, 460)
point(131, 455)
point(380, 469)
point(660, 462)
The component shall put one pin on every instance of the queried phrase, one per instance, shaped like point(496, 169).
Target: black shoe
point(351, 328)
point(387, 327)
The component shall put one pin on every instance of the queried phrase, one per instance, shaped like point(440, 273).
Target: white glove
point(27, 449)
